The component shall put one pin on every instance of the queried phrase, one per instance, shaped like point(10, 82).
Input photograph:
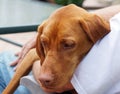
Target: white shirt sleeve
point(99, 71)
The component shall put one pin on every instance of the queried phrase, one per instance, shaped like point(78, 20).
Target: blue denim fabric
point(6, 72)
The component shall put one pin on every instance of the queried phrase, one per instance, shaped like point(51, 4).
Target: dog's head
point(63, 40)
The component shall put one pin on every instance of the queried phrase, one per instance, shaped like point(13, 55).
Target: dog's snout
point(46, 80)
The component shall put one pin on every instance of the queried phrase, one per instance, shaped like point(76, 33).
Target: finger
point(18, 63)
point(17, 54)
point(15, 68)
point(20, 57)
point(14, 63)
point(17, 60)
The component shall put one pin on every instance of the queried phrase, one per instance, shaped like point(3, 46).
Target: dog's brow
point(44, 38)
point(68, 38)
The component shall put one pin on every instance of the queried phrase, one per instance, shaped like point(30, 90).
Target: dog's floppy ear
point(39, 48)
point(95, 27)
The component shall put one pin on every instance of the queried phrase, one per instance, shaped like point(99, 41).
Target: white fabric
point(99, 71)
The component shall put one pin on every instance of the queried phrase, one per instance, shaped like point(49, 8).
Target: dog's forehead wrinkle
point(55, 31)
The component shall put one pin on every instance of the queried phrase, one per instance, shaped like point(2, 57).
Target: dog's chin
point(48, 89)
point(57, 88)
point(51, 89)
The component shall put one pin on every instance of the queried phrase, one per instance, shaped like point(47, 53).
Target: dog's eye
point(68, 44)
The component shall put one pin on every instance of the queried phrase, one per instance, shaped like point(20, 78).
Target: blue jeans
point(6, 73)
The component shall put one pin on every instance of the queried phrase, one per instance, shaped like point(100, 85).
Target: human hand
point(25, 49)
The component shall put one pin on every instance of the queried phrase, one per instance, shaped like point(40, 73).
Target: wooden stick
point(22, 70)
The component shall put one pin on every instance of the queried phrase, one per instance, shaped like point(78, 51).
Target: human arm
point(107, 12)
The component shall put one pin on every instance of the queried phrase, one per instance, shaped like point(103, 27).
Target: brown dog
point(63, 40)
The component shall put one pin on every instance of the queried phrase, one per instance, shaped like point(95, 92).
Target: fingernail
point(14, 69)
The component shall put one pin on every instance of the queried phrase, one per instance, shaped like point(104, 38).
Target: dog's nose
point(46, 80)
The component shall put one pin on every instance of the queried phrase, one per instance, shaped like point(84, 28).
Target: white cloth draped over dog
point(99, 71)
